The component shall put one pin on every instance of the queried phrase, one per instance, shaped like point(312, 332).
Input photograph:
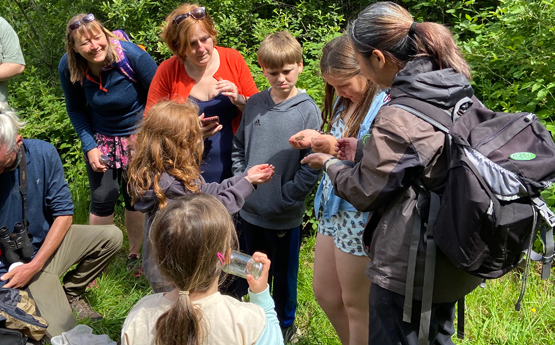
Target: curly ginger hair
point(169, 140)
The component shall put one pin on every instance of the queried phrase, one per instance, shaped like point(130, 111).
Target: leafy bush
point(511, 50)
point(241, 25)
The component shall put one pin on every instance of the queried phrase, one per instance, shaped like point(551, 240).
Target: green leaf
point(541, 94)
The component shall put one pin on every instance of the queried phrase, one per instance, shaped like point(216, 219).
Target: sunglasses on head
point(85, 20)
point(198, 14)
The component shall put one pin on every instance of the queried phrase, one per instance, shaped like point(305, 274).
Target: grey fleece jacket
point(232, 192)
point(262, 137)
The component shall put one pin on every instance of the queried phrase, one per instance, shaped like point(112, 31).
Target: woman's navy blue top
point(216, 161)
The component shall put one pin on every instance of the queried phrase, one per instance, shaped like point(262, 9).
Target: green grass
point(490, 315)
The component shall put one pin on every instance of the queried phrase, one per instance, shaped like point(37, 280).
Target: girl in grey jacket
point(166, 165)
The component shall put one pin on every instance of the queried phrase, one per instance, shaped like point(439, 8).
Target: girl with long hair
point(340, 286)
point(166, 165)
point(350, 105)
point(193, 237)
point(420, 61)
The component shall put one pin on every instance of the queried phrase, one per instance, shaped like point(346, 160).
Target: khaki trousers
point(91, 247)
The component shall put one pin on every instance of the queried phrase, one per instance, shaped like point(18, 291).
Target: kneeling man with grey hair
point(38, 241)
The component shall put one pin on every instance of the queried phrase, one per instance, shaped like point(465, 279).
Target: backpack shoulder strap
point(122, 62)
point(440, 118)
point(121, 35)
point(430, 113)
point(430, 262)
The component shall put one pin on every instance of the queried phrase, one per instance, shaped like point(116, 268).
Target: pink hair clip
point(221, 257)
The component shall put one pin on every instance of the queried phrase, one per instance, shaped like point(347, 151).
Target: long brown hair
point(76, 63)
point(169, 140)
point(187, 236)
point(176, 37)
point(338, 60)
point(388, 27)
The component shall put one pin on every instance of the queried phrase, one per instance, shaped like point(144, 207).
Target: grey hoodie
point(262, 137)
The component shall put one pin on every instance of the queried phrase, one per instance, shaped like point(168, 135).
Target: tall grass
point(491, 317)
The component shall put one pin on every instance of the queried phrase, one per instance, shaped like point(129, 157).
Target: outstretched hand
point(324, 143)
point(303, 139)
point(209, 129)
point(346, 149)
point(260, 284)
point(316, 160)
point(260, 173)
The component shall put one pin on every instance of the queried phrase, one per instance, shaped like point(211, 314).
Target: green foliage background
point(510, 45)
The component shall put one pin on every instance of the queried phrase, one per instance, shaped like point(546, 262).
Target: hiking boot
point(83, 308)
point(289, 334)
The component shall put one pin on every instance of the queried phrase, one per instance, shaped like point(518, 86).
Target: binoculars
point(17, 245)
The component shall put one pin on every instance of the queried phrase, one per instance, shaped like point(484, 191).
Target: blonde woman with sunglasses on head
point(105, 103)
point(217, 79)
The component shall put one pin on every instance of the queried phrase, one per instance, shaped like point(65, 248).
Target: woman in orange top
point(216, 78)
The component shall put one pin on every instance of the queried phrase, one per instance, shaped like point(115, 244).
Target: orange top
point(171, 81)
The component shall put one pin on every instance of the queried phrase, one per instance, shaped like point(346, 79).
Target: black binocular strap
point(23, 184)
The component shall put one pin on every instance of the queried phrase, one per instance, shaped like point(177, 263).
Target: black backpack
point(490, 210)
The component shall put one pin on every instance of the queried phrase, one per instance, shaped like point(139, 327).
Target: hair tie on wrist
point(184, 293)
point(412, 31)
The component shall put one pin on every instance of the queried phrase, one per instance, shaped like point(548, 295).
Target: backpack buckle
point(547, 259)
point(544, 211)
point(461, 107)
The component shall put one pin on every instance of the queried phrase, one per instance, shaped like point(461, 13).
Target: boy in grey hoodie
point(272, 215)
